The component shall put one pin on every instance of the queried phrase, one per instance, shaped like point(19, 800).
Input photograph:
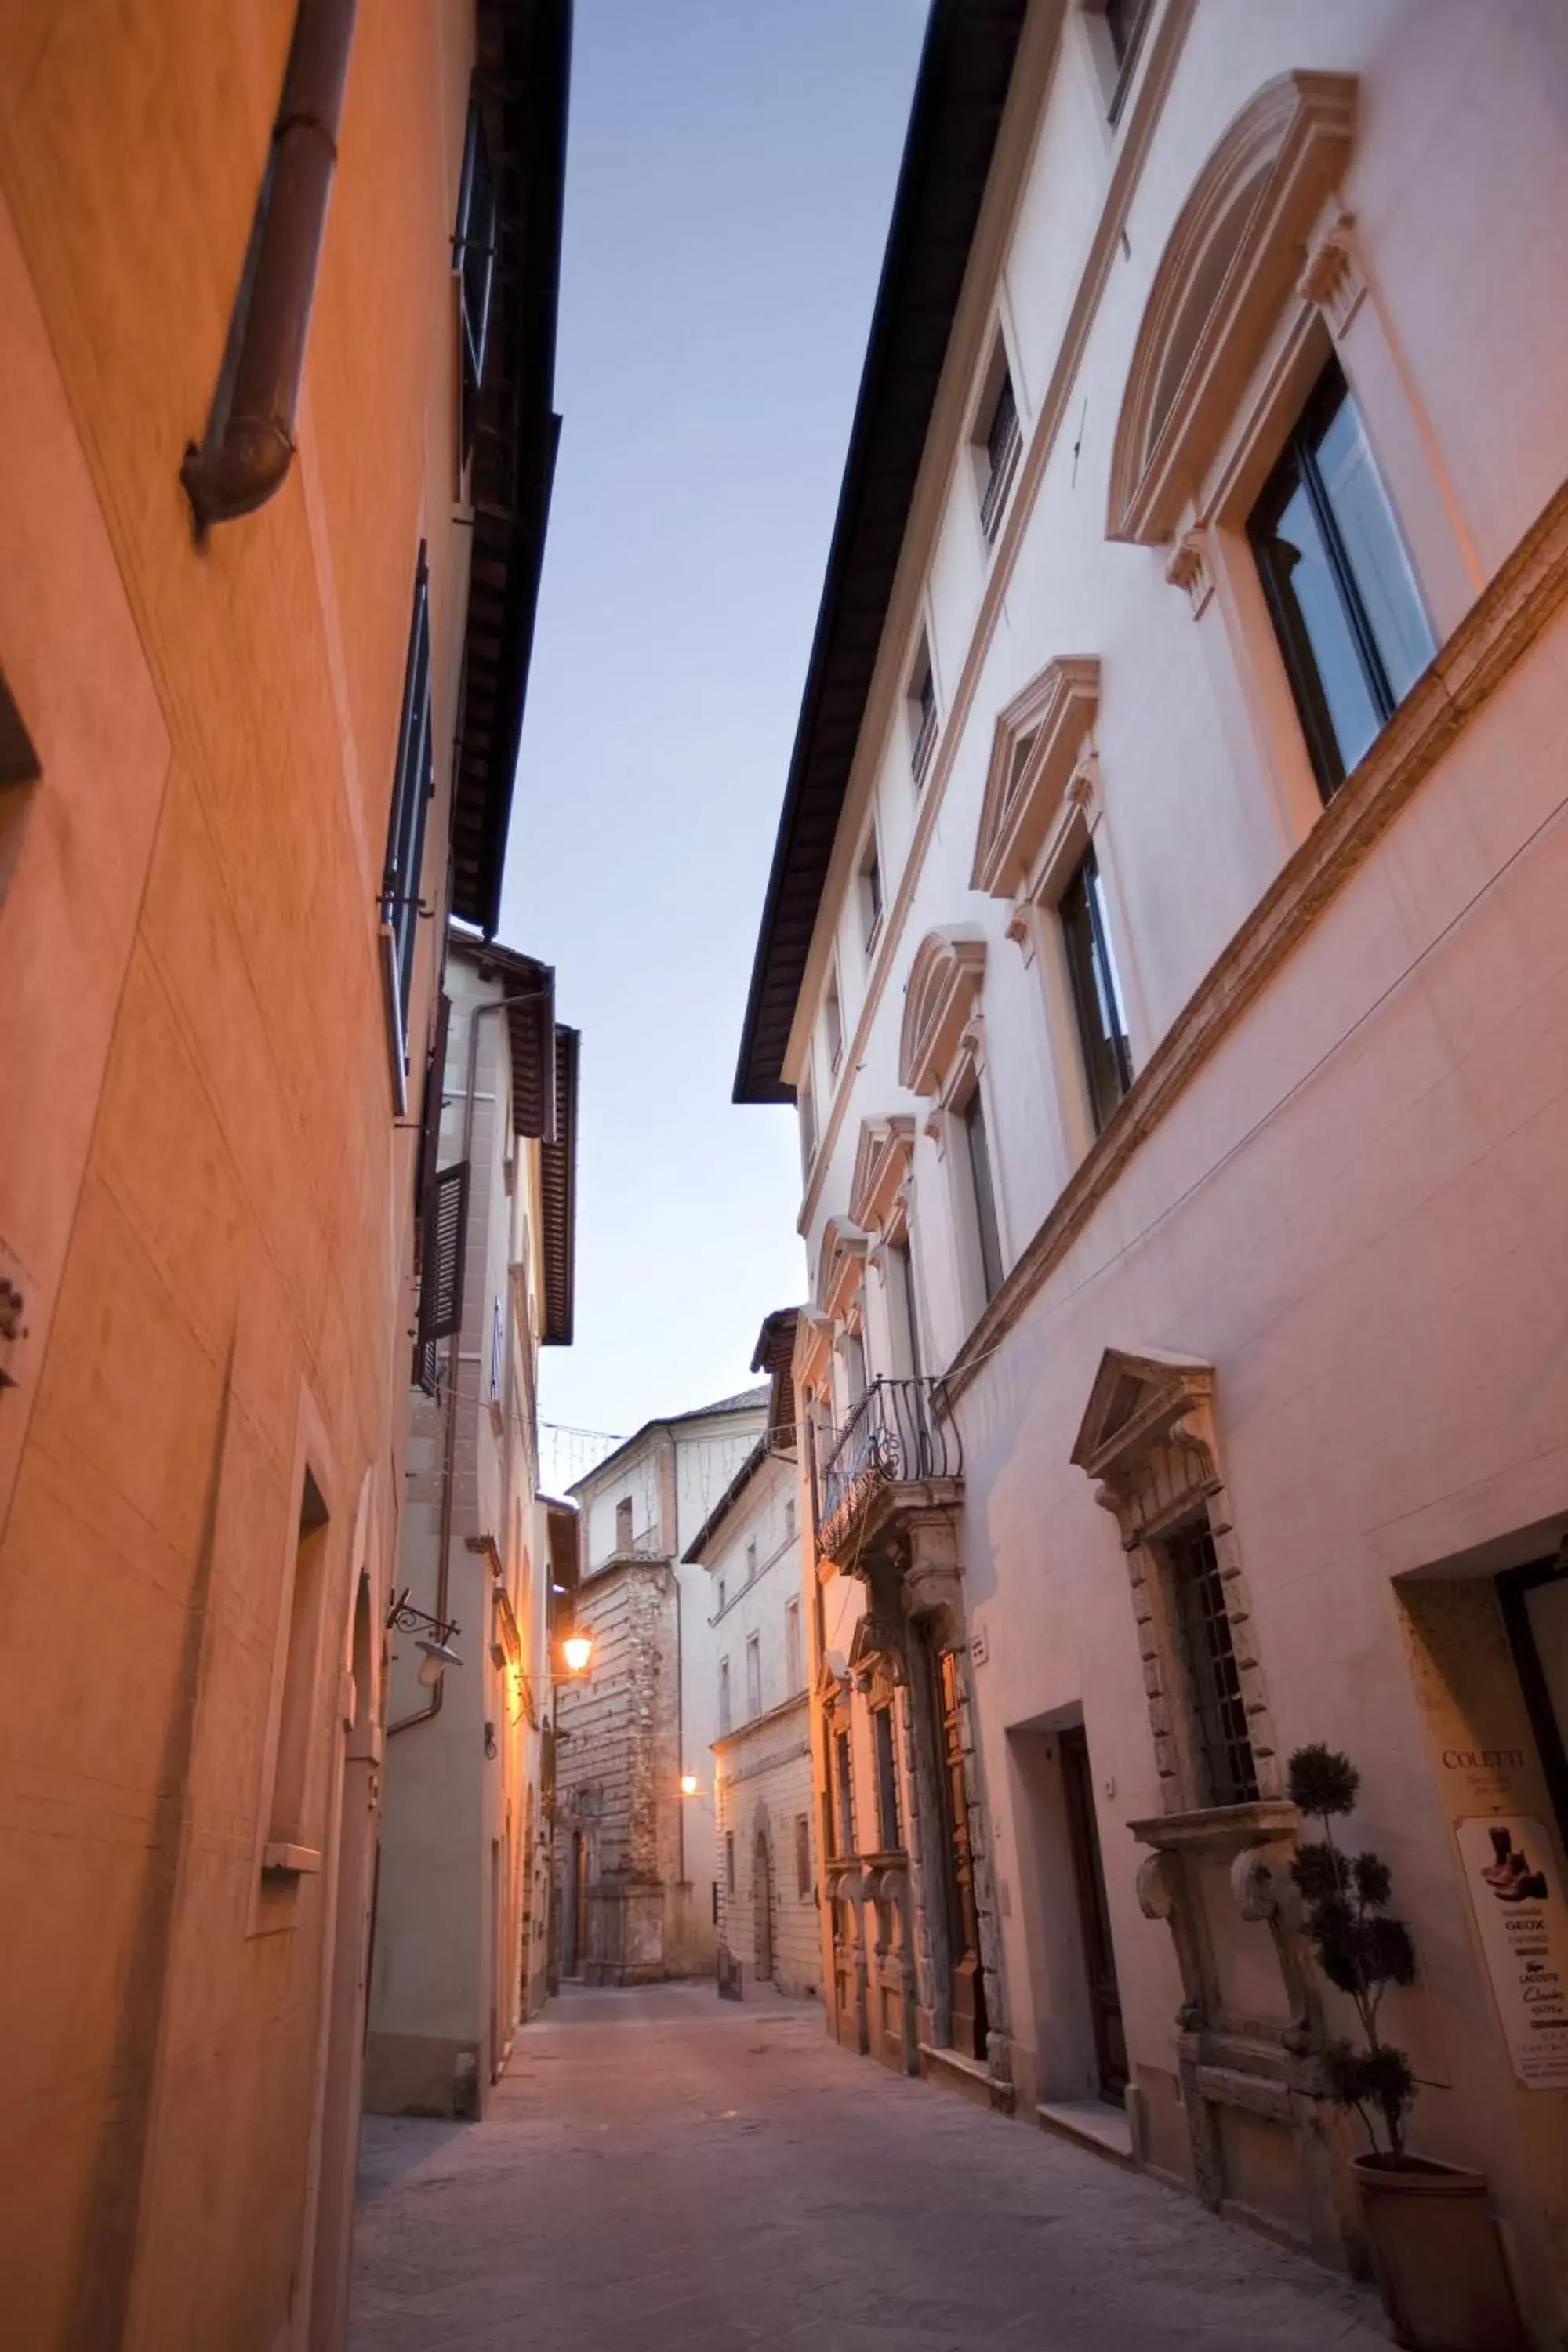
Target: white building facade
point(1163, 951)
point(769, 1931)
point(635, 1894)
point(460, 1948)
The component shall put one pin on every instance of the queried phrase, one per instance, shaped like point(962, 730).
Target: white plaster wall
point(1357, 1211)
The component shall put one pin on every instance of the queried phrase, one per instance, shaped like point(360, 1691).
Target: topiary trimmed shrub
point(1359, 1946)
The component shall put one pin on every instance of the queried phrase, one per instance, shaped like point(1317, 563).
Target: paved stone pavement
point(662, 2172)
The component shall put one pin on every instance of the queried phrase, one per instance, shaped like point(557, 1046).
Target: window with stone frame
point(803, 1875)
point(724, 1717)
point(843, 1792)
point(1206, 1642)
point(624, 1524)
point(1148, 1443)
point(884, 1746)
point(754, 1675)
point(793, 1677)
point(728, 1862)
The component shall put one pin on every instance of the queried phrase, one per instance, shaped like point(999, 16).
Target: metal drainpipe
point(449, 1433)
point(240, 470)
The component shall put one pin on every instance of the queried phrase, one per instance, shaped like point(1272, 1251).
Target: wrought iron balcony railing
point(899, 1433)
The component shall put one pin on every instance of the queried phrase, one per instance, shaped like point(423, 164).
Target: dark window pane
point(1319, 644)
point(1375, 552)
point(1339, 583)
point(1097, 998)
point(985, 1196)
point(888, 1828)
point(1202, 1623)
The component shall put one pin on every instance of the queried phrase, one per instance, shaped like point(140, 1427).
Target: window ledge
point(284, 1861)
point(1218, 1828)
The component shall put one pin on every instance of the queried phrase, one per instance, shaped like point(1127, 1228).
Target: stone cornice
point(1161, 50)
point(1501, 625)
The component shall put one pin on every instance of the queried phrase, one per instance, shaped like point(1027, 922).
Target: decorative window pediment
point(1237, 249)
point(1036, 745)
point(842, 1268)
point(944, 985)
point(1141, 1405)
point(882, 1168)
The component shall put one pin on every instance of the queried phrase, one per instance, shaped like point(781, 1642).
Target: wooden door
point(1094, 1918)
point(968, 1984)
point(762, 1909)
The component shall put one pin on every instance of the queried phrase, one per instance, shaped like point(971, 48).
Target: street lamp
point(577, 1649)
point(431, 1634)
point(689, 1784)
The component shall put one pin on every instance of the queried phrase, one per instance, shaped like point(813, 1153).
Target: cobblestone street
point(659, 2171)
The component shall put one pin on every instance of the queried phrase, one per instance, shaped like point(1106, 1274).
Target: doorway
point(968, 1977)
point(1094, 1918)
point(762, 1909)
point(575, 1909)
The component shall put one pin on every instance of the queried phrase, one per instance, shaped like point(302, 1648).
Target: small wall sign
point(1510, 1873)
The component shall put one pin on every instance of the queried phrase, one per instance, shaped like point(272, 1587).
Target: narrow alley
point(660, 2170)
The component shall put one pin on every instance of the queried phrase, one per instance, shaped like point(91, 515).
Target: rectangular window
point(1003, 439)
point(889, 1827)
point(903, 1272)
point(922, 717)
point(720, 1609)
point(833, 1024)
point(870, 893)
point(807, 1112)
point(751, 1559)
point(754, 1675)
point(412, 784)
point(723, 1698)
point(728, 1862)
point(986, 1231)
point(803, 1855)
point(1096, 992)
point(498, 1349)
point(789, 1518)
point(293, 1843)
point(844, 1793)
point(474, 241)
point(1202, 1624)
point(624, 1524)
point(1338, 582)
point(793, 1675)
point(1122, 22)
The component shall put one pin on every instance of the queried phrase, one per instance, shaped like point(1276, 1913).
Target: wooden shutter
point(446, 1229)
point(430, 1114)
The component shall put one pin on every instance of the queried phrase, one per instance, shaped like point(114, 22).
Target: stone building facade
point(1163, 951)
point(237, 761)
point(636, 1899)
point(769, 1933)
point(462, 1901)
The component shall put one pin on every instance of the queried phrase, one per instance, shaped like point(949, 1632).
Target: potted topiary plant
point(1435, 2248)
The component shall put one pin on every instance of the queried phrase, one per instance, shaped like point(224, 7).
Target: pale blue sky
point(730, 174)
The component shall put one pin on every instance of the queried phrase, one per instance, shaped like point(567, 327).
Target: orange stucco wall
point(200, 1170)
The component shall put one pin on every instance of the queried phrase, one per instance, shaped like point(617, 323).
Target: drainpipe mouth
point(239, 474)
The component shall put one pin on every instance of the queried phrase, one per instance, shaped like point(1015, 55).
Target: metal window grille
point(1003, 439)
point(1219, 1717)
point(445, 1231)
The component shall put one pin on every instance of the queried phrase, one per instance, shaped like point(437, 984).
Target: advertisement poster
point(1511, 1874)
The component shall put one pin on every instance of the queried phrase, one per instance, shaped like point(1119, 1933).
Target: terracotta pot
point(1436, 2256)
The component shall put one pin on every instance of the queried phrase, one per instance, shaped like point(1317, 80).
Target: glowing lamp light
point(689, 1784)
point(577, 1649)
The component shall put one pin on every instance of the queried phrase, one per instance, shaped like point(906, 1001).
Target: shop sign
point(1511, 1873)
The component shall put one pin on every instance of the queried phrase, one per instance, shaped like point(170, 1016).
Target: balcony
point(898, 1455)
